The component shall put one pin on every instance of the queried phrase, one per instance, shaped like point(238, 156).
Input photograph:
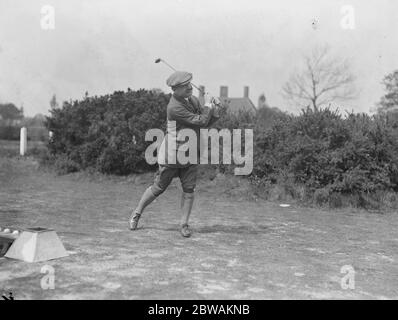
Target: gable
point(236, 104)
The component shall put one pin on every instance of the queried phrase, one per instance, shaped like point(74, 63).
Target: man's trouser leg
point(186, 206)
point(145, 200)
point(162, 180)
point(188, 180)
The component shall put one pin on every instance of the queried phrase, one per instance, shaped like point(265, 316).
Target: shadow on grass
point(10, 211)
point(71, 233)
point(244, 229)
point(218, 228)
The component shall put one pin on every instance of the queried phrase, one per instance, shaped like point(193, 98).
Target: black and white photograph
point(213, 152)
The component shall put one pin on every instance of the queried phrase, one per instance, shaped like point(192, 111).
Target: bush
point(328, 153)
point(106, 133)
point(318, 156)
point(64, 165)
point(9, 132)
point(228, 120)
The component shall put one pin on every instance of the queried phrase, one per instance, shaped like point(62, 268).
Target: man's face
point(184, 91)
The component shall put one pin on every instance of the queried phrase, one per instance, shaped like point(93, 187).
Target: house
point(235, 103)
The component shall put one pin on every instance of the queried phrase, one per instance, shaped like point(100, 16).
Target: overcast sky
point(103, 46)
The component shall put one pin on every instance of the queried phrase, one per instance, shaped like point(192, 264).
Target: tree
point(322, 79)
point(53, 102)
point(156, 90)
point(10, 112)
point(389, 101)
point(262, 102)
point(36, 121)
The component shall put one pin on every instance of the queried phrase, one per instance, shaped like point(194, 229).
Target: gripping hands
point(210, 101)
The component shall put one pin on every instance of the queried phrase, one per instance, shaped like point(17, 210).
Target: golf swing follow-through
point(183, 111)
point(214, 101)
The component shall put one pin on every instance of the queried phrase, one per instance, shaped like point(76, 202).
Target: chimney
point(246, 92)
point(201, 95)
point(223, 92)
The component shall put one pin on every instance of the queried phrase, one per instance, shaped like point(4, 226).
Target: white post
point(23, 145)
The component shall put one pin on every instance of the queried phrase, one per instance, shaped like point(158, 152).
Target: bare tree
point(323, 79)
point(389, 102)
point(53, 102)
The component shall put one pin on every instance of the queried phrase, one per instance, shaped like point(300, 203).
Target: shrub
point(9, 132)
point(64, 165)
point(328, 153)
point(107, 133)
point(317, 156)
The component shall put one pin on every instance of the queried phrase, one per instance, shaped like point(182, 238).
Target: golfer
point(183, 111)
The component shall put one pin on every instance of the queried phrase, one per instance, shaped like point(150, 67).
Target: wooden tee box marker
point(35, 245)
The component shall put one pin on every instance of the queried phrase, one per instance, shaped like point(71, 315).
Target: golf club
point(161, 60)
point(171, 67)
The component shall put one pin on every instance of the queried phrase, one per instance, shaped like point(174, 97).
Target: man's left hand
point(216, 102)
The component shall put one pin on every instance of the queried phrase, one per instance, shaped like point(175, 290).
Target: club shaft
point(168, 65)
point(171, 67)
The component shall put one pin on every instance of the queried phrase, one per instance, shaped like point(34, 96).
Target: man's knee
point(188, 189)
point(157, 190)
point(188, 179)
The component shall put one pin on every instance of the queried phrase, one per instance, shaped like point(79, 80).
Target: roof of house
point(236, 104)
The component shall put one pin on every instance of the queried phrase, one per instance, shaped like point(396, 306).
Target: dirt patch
point(239, 250)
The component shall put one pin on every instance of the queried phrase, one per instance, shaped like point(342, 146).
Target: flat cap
point(179, 78)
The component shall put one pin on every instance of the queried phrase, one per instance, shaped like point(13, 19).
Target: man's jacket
point(183, 114)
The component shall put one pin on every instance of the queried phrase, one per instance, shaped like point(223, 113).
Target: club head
point(158, 60)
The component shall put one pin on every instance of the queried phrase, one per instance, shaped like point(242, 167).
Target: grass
point(240, 248)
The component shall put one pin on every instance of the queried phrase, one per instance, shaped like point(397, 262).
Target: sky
point(106, 45)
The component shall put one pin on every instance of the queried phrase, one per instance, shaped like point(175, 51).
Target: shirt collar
point(183, 100)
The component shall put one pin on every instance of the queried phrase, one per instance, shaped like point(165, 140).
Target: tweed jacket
point(183, 114)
